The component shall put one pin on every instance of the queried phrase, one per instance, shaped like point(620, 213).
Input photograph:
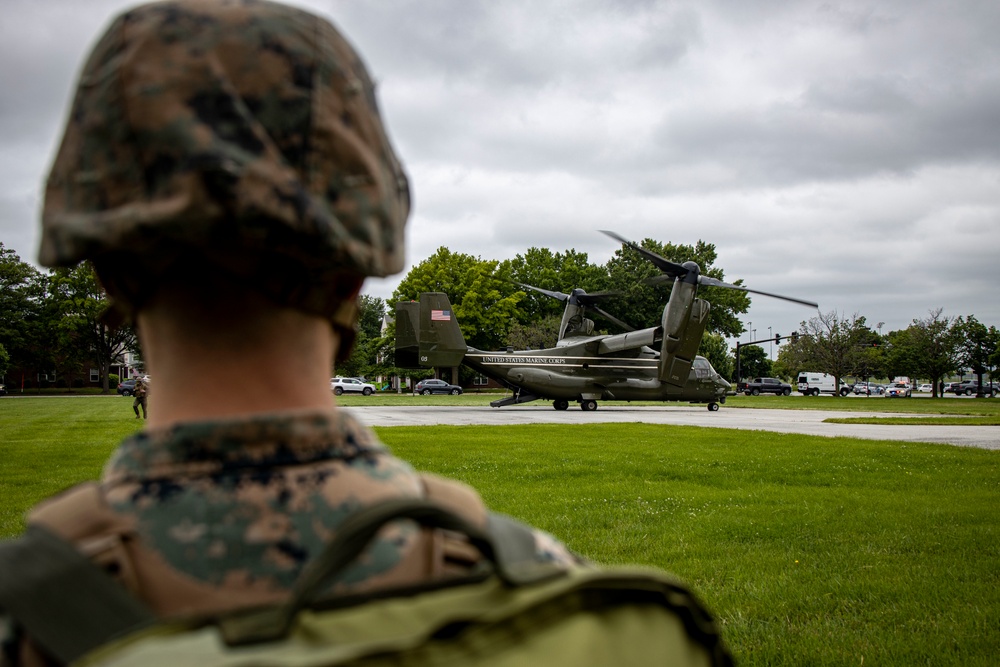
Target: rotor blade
point(665, 265)
point(590, 298)
point(715, 282)
point(612, 318)
point(656, 280)
point(554, 295)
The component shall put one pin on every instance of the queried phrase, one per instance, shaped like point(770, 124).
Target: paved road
point(808, 422)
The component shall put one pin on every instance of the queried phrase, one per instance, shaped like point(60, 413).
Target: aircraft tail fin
point(407, 326)
point(427, 333)
point(684, 322)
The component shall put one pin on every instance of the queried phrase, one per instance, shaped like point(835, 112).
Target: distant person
point(235, 150)
point(139, 391)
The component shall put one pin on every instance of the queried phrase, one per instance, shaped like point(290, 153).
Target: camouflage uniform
point(140, 390)
point(241, 134)
point(208, 517)
point(203, 517)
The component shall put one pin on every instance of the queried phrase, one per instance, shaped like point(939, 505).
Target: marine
point(234, 150)
point(139, 391)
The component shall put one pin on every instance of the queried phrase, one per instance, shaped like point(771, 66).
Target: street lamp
point(770, 344)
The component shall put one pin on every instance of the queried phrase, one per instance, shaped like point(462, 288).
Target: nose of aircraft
point(725, 389)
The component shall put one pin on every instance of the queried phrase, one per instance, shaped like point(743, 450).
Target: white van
point(814, 384)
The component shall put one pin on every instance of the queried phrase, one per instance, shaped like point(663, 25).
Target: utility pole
point(770, 346)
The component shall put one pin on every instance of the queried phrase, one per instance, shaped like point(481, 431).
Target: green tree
point(558, 272)
point(713, 347)
point(539, 334)
point(870, 355)
point(78, 296)
point(929, 346)
point(899, 358)
point(642, 304)
point(754, 362)
point(23, 332)
point(485, 304)
point(364, 359)
point(977, 344)
point(792, 358)
point(831, 344)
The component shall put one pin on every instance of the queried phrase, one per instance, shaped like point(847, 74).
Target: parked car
point(925, 387)
point(436, 387)
point(971, 387)
point(950, 387)
point(353, 385)
point(127, 387)
point(869, 388)
point(898, 390)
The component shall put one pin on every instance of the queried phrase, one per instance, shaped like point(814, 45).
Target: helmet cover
point(242, 133)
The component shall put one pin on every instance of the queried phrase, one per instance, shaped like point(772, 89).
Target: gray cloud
point(843, 151)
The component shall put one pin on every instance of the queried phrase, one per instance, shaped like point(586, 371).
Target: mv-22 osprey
point(653, 364)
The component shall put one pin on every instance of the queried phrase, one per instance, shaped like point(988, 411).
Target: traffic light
point(795, 336)
point(777, 339)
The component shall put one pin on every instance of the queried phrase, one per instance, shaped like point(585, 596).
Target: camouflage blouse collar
point(266, 440)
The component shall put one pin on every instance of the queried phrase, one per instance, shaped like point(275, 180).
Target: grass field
point(810, 550)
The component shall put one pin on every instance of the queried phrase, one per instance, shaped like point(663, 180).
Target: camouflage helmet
point(241, 133)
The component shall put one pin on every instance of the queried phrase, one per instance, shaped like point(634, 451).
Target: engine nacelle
point(684, 322)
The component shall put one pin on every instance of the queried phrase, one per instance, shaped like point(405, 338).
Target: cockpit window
point(702, 368)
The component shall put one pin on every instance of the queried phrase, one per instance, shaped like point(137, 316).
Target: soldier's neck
point(207, 377)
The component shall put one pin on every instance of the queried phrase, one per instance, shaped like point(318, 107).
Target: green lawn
point(810, 550)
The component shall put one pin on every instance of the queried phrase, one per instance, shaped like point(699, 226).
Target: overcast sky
point(844, 152)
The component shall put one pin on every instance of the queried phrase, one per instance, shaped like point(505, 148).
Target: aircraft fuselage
point(574, 373)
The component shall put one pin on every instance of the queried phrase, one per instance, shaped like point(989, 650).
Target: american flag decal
point(440, 316)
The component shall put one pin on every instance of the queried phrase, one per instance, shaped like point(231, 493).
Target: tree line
point(52, 320)
point(930, 348)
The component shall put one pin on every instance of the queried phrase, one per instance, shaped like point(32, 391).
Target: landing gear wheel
point(588, 406)
point(713, 407)
point(560, 405)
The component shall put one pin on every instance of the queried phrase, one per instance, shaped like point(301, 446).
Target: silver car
point(869, 388)
point(340, 385)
